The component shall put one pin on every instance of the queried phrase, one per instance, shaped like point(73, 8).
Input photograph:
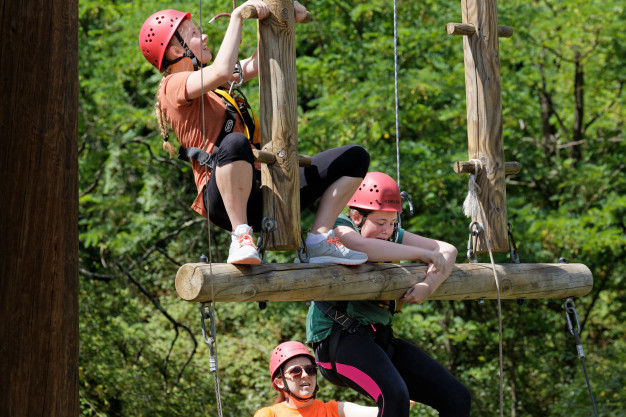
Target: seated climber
point(360, 351)
point(192, 99)
point(293, 374)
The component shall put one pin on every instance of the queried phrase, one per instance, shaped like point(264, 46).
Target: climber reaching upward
point(216, 134)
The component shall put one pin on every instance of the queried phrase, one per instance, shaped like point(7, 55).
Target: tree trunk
point(39, 205)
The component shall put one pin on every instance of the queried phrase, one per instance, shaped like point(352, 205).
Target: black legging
point(327, 167)
point(410, 374)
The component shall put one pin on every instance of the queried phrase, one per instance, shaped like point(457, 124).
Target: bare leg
point(333, 201)
point(234, 181)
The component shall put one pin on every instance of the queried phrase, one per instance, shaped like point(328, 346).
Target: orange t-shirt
point(185, 117)
point(317, 409)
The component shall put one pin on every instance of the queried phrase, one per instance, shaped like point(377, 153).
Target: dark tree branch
point(96, 276)
point(607, 108)
point(141, 141)
point(94, 184)
point(160, 243)
point(155, 301)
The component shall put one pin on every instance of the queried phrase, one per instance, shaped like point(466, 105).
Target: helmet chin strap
point(363, 218)
point(188, 54)
point(297, 397)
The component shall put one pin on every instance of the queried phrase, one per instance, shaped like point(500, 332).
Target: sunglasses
point(296, 371)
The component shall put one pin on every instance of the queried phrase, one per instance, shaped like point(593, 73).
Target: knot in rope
point(471, 205)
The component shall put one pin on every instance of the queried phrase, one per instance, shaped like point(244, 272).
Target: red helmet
point(378, 191)
point(156, 33)
point(286, 351)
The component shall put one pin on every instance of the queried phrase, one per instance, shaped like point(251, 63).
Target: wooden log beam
point(279, 123)
point(201, 282)
point(468, 29)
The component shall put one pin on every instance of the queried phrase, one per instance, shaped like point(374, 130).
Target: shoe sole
point(245, 261)
point(340, 261)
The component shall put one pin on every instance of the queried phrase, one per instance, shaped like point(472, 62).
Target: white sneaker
point(332, 251)
point(243, 251)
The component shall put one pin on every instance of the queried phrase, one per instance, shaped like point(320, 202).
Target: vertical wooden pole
point(39, 206)
point(279, 123)
point(484, 117)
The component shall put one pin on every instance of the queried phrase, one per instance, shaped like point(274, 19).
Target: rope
point(573, 325)
point(397, 107)
point(473, 207)
point(211, 342)
point(395, 80)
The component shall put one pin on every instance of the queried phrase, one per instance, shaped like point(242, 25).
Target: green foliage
point(563, 120)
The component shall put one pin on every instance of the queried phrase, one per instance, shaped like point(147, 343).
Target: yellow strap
point(232, 101)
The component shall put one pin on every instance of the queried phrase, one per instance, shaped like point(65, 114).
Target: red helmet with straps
point(285, 351)
point(156, 33)
point(378, 191)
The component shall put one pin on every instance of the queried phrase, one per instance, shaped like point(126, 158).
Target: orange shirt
point(185, 117)
point(317, 409)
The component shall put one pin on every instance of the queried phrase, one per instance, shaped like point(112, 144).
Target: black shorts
point(327, 167)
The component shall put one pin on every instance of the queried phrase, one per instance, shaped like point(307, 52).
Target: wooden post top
point(484, 115)
point(279, 124)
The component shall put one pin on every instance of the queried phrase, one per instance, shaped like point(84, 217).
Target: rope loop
point(471, 205)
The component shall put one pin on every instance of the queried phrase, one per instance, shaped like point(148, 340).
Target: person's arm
point(419, 292)
point(250, 67)
point(347, 409)
point(221, 70)
point(300, 12)
point(378, 250)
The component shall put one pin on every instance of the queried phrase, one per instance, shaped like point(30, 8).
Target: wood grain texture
point(279, 124)
point(466, 167)
point(200, 282)
point(39, 205)
point(484, 118)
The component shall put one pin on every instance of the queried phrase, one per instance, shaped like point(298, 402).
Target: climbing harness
point(236, 106)
point(344, 323)
point(573, 325)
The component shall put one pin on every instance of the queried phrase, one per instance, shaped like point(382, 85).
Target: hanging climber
point(293, 374)
point(228, 182)
point(354, 341)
